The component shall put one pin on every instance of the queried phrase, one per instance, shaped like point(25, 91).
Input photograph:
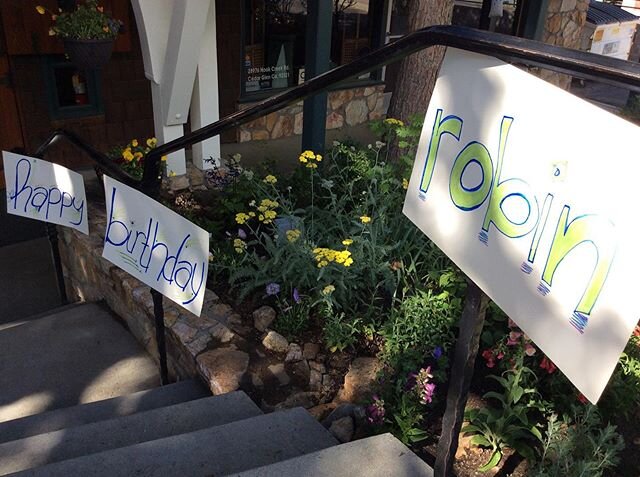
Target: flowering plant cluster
point(88, 22)
point(131, 156)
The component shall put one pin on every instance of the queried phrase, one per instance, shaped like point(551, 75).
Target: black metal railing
point(511, 49)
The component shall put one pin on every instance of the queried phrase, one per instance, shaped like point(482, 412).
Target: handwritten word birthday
point(144, 249)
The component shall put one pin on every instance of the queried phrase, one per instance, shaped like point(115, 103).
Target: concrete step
point(378, 456)
point(75, 356)
point(101, 410)
point(125, 431)
point(220, 450)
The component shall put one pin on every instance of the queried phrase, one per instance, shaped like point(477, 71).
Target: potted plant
point(88, 33)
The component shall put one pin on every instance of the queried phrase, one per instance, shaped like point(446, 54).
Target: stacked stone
point(565, 19)
point(349, 106)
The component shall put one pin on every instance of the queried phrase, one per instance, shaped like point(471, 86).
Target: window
point(274, 39)
point(71, 93)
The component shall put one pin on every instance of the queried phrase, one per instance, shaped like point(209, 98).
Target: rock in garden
point(278, 371)
point(301, 399)
point(223, 368)
point(299, 372)
point(359, 381)
point(343, 429)
point(322, 410)
point(275, 342)
point(317, 366)
point(315, 380)
point(263, 317)
point(310, 350)
point(294, 354)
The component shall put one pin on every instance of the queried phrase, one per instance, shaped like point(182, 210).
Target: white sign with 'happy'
point(44, 191)
point(531, 192)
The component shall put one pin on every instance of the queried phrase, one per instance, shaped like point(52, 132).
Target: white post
point(204, 102)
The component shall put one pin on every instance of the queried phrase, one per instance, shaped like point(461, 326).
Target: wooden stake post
point(471, 323)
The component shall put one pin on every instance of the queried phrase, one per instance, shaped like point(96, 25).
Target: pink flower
point(487, 354)
point(547, 364)
point(529, 349)
point(512, 324)
point(514, 338)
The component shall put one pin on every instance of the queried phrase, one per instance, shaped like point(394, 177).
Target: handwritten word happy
point(50, 201)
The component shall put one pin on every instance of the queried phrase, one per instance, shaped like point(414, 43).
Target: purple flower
point(296, 296)
point(272, 289)
point(437, 353)
point(375, 411)
point(426, 393)
point(242, 234)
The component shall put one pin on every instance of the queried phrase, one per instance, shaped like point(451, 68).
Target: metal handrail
point(509, 48)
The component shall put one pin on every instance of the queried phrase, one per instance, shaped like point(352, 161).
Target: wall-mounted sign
point(156, 245)
point(531, 192)
point(44, 191)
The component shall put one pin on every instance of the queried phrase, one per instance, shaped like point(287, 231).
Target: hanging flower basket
point(89, 54)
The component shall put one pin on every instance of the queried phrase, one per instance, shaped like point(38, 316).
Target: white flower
point(326, 184)
point(379, 144)
point(248, 174)
point(336, 143)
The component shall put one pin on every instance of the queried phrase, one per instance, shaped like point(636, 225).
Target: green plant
point(87, 22)
point(421, 323)
point(293, 316)
point(407, 419)
point(510, 423)
point(339, 333)
point(578, 447)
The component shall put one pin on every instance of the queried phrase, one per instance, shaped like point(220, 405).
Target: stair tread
point(64, 444)
point(219, 450)
point(101, 410)
point(74, 356)
point(377, 456)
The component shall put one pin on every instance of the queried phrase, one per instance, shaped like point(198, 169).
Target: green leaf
point(493, 461)
point(479, 440)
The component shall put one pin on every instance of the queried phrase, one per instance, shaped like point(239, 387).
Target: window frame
point(94, 107)
point(378, 36)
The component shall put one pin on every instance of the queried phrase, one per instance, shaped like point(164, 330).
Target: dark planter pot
point(89, 54)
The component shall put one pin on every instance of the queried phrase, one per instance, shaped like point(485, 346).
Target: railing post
point(158, 315)
point(471, 323)
point(52, 235)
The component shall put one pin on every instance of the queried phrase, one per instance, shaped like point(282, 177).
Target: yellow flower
point(347, 242)
point(239, 245)
point(241, 218)
point(318, 157)
point(127, 155)
point(328, 290)
point(307, 156)
point(105, 29)
point(405, 183)
point(293, 235)
point(348, 262)
point(52, 32)
point(134, 143)
point(163, 158)
point(252, 214)
point(152, 141)
point(312, 165)
point(394, 122)
point(270, 179)
point(138, 155)
point(365, 219)
point(40, 9)
point(322, 263)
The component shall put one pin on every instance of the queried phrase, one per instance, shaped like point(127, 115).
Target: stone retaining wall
point(348, 107)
